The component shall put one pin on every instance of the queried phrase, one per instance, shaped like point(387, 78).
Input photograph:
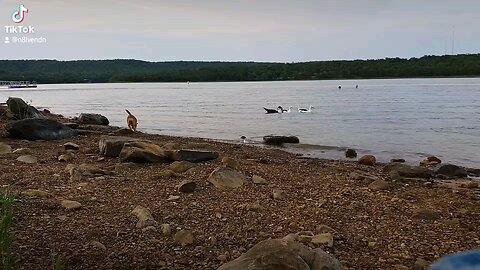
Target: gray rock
point(27, 159)
point(279, 140)
point(5, 149)
point(184, 237)
point(258, 180)
point(282, 254)
point(181, 166)
point(93, 119)
point(71, 146)
point(404, 170)
point(39, 129)
point(227, 178)
point(143, 152)
point(378, 185)
point(144, 216)
point(194, 156)
point(21, 110)
point(450, 171)
point(111, 146)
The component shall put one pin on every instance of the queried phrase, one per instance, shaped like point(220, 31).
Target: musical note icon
point(19, 15)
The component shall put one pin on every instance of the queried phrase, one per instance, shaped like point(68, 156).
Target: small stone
point(166, 229)
point(278, 195)
point(255, 207)
point(184, 237)
point(372, 244)
point(320, 229)
point(181, 166)
point(230, 163)
point(258, 180)
point(397, 160)
point(324, 239)
point(368, 160)
point(70, 205)
point(71, 146)
point(98, 245)
point(187, 186)
point(351, 153)
point(173, 198)
point(5, 149)
point(222, 258)
point(378, 185)
point(149, 228)
point(421, 264)
point(37, 193)
point(400, 267)
point(65, 157)
point(144, 216)
point(218, 215)
point(29, 159)
point(426, 214)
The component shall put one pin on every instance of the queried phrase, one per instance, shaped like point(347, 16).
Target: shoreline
point(375, 227)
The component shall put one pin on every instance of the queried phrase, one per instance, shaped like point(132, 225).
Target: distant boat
point(19, 84)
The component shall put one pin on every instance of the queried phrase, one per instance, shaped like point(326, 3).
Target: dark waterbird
point(278, 110)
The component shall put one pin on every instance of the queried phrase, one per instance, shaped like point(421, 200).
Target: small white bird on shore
point(303, 110)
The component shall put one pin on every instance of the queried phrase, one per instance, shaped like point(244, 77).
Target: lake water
point(399, 118)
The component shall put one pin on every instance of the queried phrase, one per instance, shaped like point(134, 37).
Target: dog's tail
point(128, 112)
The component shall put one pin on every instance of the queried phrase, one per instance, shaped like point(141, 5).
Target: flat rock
point(279, 140)
point(39, 129)
point(172, 198)
point(184, 237)
point(22, 151)
point(368, 160)
point(408, 171)
point(93, 119)
point(187, 186)
point(71, 146)
point(283, 254)
point(27, 159)
point(66, 157)
point(111, 146)
point(378, 185)
point(227, 178)
point(278, 194)
point(194, 156)
point(143, 152)
point(231, 163)
point(37, 193)
point(181, 166)
point(426, 214)
point(5, 149)
point(364, 177)
point(166, 229)
point(259, 180)
point(70, 205)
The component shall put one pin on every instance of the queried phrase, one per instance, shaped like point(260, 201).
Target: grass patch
point(6, 237)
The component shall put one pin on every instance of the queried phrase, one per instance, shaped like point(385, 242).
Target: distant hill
point(102, 71)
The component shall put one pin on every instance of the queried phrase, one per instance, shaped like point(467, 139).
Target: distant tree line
point(103, 71)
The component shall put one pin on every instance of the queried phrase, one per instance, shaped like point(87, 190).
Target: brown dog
point(131, 121)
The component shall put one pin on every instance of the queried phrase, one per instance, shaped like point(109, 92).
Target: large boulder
point(39, 129)
point(451, 171)
point(279, 140)
point(408, 171)
point(111, 146)
point(194, 156)
point(227, 178)
point(93, 119)
point(21, 110)
point(283, 254)
point(143, 152)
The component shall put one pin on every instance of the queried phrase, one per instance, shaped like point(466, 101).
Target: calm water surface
point(407, 119)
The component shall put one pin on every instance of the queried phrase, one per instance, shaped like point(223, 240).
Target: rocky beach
point(93, 196)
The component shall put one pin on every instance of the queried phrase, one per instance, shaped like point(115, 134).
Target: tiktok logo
point(19, 15)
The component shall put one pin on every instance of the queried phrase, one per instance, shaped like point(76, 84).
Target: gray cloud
point(268, 30)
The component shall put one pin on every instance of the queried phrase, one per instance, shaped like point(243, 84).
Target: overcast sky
point(243, 30)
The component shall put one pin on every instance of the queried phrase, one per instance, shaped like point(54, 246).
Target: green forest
point(104, 71)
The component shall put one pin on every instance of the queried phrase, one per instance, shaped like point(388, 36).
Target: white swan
point(303, 110)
